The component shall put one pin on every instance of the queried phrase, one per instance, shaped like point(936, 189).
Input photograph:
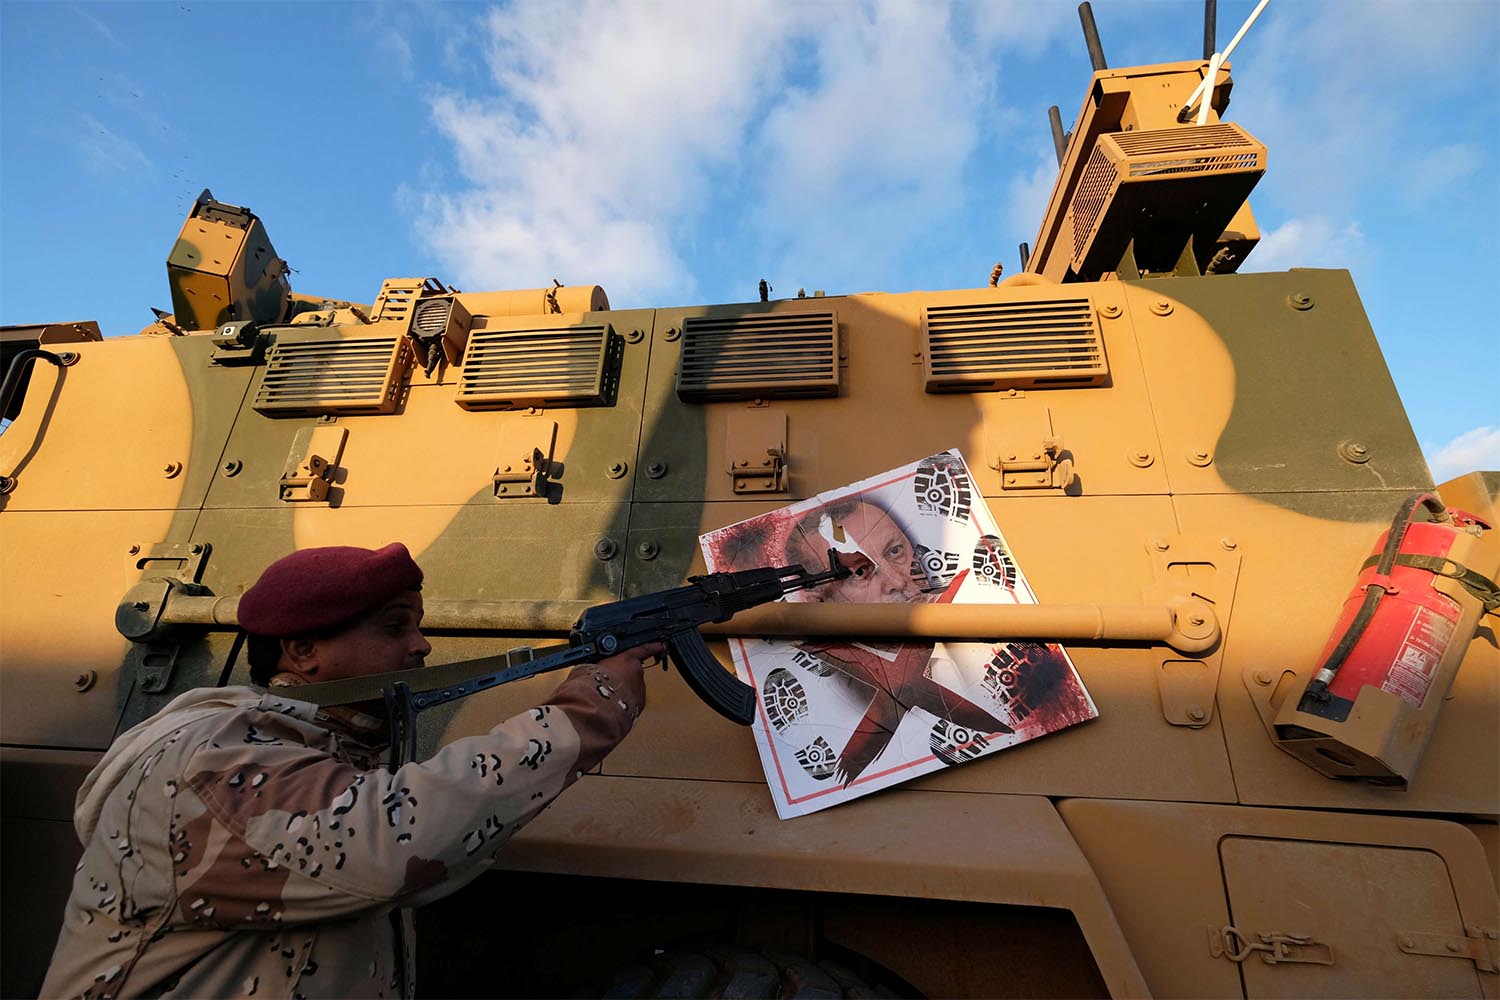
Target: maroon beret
point(315, 589)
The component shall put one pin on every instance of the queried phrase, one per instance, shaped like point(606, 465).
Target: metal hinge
point(1479, 945)
point(756, 445)
point(526, 475)
point(1274, 947)
point(311, 463)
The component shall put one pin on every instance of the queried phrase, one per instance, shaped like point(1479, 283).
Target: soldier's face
point(390, 639)
point(888, 580)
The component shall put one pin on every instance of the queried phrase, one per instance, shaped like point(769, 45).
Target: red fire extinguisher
point(1396, 629)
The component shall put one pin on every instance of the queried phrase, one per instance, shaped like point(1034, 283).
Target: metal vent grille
point(759, 356)
point(430, 318)
point(547, 366)
point(1177, 140)
point(1093, 191)
point(1196, 176)
point(398, 296)
point(1009, 345)
point(334, 376)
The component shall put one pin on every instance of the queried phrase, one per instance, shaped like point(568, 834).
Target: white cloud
point(1027, 195)
point(613, 133)
point(597, 151)
point(1475, 450)
point(1343, 94)
point(881, 135)
point(99, 26)
point(107, 152)
point(1311, 241)
point(1443, 166)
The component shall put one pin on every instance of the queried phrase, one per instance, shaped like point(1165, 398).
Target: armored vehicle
point(1293, 784)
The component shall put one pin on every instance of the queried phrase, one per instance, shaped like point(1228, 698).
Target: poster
point(837, 718)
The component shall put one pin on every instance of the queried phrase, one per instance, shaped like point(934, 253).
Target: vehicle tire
point(741, 974)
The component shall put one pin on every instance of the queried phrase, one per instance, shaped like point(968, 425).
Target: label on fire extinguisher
point(1410, 676)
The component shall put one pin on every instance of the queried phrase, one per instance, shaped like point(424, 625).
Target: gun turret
point(1150, 181)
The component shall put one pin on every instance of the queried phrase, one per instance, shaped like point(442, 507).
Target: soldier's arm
point(290, 834)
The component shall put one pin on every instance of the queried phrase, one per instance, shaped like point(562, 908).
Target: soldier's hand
point(627, 671)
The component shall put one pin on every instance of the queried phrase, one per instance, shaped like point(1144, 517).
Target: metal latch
point(526, 474)
point(170, 568)
point(1041, 463)
point(756, 445)
point(1478, 946)
point(1274, 948)
point(310, 465)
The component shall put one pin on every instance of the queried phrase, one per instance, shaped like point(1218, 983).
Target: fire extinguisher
point(1399, 635)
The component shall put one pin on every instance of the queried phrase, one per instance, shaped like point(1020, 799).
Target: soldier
point(244, 843)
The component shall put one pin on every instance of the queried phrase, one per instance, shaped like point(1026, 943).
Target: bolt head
point(1196, 713)
point(1263, 678)
point(1196, 620)
point(1407, 942)
point(1160, 544)
point(135, 550)
point(1228, 544)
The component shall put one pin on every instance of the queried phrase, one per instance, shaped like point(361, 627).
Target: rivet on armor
point(647, 550)
point(1161, 307)
point(605, 549)
point(1354, 452)
point(617, 470)
point(1300, 301)
point(655, 470)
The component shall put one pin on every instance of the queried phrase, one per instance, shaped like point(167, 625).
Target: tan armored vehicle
point(1293, 783)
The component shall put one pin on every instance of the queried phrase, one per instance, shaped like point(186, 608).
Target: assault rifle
point(671, 617)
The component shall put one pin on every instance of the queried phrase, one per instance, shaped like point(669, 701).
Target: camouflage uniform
point(242, 843)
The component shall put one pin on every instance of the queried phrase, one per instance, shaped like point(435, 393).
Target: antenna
point(1210, 28)
point(1091, 36)
point(1059, 140)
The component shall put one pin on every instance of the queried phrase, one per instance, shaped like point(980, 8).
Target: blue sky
point(678, 152)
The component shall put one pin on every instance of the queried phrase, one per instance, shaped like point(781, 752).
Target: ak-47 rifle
point(671, 617)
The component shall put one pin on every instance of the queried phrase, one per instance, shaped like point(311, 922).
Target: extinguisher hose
point(1318, 689)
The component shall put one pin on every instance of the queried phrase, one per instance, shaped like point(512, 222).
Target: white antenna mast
point(1217, 60)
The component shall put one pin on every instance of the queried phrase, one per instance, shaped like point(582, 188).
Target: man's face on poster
point(887, 580)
